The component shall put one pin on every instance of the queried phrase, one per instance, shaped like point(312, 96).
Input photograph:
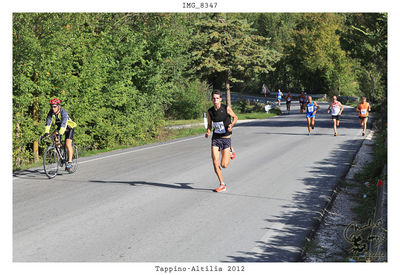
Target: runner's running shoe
point(221, 188)
point(233, 154)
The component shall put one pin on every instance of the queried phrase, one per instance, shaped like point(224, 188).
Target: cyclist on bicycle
point(64, 125)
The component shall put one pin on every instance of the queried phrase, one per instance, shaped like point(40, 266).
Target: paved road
point(155, 203)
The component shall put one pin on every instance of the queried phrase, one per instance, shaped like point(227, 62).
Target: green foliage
point(189, 101)
point(321, 62)
point(246, 106)
point(365, 39)
point(114, 74)
point(226, 48)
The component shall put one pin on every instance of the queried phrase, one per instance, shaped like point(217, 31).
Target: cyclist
point(64, 125)
point(219, 118)
point(363, 109)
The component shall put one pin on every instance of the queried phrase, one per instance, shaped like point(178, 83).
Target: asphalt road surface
point(156, 203)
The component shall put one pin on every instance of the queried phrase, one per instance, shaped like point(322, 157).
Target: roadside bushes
point(114, 76)
point(189, 101)
point(247, 106)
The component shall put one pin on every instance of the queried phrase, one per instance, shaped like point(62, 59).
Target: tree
point(317, 58)
point(226, 49)
point(365, 38)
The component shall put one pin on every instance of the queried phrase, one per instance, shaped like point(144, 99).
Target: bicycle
point(56, 156)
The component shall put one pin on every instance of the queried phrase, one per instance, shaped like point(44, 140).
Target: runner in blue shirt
point(311, 109)
point(280, 94)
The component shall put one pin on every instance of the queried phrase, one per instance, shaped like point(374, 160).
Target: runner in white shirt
point(336, 109)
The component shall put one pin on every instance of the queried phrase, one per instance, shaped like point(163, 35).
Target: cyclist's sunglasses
point(54, 106)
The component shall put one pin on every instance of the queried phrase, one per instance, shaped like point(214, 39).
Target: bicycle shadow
point(29, 174)
point(156, 184)
point(36, 174)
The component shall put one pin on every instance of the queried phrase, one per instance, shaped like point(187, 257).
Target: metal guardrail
point(270, 97)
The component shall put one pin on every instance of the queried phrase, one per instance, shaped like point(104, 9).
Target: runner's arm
point(232, 114)
point(209, 125)
point(316, 105)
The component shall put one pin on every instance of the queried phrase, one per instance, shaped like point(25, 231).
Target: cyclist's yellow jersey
point(62, 121)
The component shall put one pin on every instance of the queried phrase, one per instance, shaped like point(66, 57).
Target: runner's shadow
point(156, 184)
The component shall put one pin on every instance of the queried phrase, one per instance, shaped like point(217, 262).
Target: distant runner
point(264, 90)
point(312, 108)
point(363, 110)
point(335, 108)
point(219, 119)
point(288, 101)
point(302, 102)
point(280, 94)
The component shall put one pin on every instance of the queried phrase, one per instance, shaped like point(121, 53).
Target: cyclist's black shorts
point(69, 133)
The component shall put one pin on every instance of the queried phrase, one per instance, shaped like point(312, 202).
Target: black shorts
point(360, 117)
point(221, 143)
point(336, 117)
point(69, 133)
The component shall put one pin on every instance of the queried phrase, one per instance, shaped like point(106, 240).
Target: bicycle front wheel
point(51, 162)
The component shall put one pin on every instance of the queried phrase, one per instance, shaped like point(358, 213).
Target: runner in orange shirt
point(363, 110)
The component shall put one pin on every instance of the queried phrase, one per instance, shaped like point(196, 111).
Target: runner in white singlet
point(336, 109)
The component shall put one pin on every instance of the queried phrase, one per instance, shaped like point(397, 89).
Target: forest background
point(120, 76)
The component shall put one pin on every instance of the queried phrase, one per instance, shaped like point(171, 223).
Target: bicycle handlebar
point(52, 137)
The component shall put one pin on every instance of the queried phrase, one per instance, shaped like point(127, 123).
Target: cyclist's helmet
point(55, 101)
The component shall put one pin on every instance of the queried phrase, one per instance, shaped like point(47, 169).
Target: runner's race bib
point(310, 109)
point(219, 127)
point(363, 112)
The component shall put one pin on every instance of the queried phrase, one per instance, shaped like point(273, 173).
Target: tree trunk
point(17, 151)
point(228, 89)
point(35, 114)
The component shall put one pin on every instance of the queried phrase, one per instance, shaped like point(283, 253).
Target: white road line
point(124, 153)
point(138, 150)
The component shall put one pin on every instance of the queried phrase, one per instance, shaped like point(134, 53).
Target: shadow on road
point(163, 185)
point(300, 217)
point(29, 174)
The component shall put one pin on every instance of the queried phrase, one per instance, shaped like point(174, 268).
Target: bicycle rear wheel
point(51, 162)
point(74, 159)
